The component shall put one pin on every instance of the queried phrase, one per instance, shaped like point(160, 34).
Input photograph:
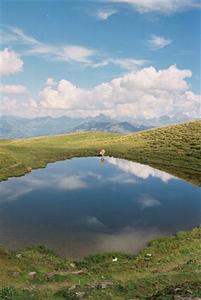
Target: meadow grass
point(166, 267)
point(175, 149)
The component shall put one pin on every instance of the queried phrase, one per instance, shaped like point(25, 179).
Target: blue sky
point(83, 44)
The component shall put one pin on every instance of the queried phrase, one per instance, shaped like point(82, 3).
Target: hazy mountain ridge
point(16, 127)
point(111, 126)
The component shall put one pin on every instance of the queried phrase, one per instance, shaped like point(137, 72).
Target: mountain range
point(17, 127)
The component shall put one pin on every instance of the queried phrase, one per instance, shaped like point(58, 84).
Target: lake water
point(84, 206)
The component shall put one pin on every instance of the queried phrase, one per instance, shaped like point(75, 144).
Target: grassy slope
point(175, 149)
point(174, 268)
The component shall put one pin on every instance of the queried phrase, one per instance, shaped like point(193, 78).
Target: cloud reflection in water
point(139, 170)
point(79, 206)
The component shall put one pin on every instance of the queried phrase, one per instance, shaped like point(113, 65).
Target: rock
point(149, 254)
point(80, 295)
point(29, 169)
point(79, 272)
point(102, 285)
point(16, 274)
point(178, 289)
point(105, 284)
point(92, 286)
point(73, 287)
point(52, 274)
point(177, 297)
point(32, 274)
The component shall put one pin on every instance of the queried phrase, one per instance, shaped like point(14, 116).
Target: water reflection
point(139, 170)
point(80, 206)
point(147, 201)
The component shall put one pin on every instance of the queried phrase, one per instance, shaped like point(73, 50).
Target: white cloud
point(129, 63)
point(50, 82)
point(20, 105)
point(75, 53)
point(124, 63)
point(139, 170)
point(104, 14)
point(158, 42)
point(16, 34)
point(10, 62)
point(67, 53)
point(146, 93)
point(13, 89)
point(64, 96)
point(160, 6)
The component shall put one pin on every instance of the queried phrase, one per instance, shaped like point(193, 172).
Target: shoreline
point(173, 149)
point(166, 266)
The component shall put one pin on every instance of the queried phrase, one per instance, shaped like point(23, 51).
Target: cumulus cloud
point(10, 62)
point(104, 14)
point(146, 93)
point(20, 105)
point(13, 89)
point(50, 81)
point(141, 94)
point(160, 6)
point(158, 42)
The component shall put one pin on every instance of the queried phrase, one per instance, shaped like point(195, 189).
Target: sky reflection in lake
point(82, 206)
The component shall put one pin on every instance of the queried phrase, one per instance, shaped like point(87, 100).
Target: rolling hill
point(175, 149)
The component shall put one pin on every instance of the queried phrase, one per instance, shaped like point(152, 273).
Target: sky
point(127, 59)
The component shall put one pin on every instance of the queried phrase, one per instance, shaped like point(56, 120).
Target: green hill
point(175, 149)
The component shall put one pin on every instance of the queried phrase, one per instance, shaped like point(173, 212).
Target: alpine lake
point(83, 206)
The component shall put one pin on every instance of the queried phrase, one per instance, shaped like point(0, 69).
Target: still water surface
point(84, 206)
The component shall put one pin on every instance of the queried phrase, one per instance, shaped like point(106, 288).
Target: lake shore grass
point(168, 268)
point(175, 149)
